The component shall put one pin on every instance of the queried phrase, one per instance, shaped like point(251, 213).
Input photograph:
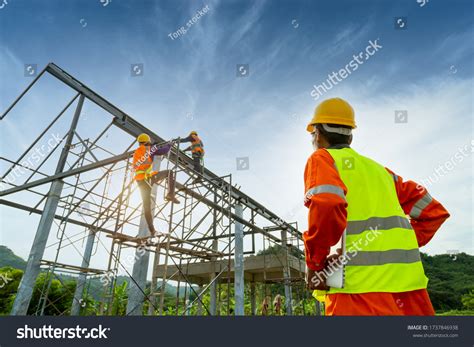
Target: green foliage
point(450, 278)
point(119, 304)
point(9, 281)
point(457, 313)
point(59, 299)
point(451, 289)
point(468, 300)
point(8, 258)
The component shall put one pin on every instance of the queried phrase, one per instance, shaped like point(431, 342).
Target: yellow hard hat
point(333, 111)
point(193, 133)
point(143, 138)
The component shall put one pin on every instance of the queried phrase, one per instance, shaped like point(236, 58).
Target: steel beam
point(134, 128)
point(61, 175)
point(81, 279)
point(27, 283)
point(58, 217)
point(239, 284)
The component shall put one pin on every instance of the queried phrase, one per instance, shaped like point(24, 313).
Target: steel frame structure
point(210, 225)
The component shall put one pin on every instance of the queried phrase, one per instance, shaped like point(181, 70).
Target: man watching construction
point(146, 177)
point(347, 192)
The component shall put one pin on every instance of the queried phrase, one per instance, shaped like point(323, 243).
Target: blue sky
point(191, 83)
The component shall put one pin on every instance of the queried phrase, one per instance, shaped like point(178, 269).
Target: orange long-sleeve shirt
point(327, 220)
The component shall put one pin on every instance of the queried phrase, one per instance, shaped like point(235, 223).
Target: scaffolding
point(209, 245)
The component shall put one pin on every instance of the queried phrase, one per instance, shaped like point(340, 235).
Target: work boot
point(172, 199)
point(153, 233)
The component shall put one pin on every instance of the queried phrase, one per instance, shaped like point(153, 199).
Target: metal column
point(213, 285)
point(317, 307)
point(287, 275)
point(142, 256)
point(81, 279)
point(27, 284)
point(239, 283)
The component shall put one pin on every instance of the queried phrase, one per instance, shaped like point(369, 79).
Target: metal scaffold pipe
point(25, 289)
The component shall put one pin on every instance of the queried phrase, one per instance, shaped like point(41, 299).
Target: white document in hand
point(336, 279)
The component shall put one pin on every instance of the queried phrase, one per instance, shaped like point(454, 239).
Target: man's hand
point(334, 260)
point(316, 279)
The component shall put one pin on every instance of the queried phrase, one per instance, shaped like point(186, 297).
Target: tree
point(468, 300)
point(119, 305)
point(9, 282)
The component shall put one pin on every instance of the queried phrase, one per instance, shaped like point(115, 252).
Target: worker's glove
point(334, 260)
point(316, 279)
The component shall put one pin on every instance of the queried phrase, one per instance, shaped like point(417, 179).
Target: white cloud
point(440, 113)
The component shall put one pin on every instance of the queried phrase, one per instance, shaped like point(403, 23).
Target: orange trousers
point(413, 303)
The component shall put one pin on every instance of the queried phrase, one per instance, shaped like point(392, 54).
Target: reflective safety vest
point(143, 163)
point(197, 145)
point(382, 252)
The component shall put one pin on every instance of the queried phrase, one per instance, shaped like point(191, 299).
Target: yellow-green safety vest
point(381, 248)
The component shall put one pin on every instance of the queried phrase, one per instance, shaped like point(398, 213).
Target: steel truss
point(203, 244)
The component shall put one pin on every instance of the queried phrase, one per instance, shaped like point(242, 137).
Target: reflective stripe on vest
point(420, 205)
point(148, 172)
point(144, 165)
point(386, 223)
point(197, 145)
point(393, 256)
point(381, 247)
point(325, 188)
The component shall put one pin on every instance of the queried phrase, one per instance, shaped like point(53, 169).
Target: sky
point(242, 75)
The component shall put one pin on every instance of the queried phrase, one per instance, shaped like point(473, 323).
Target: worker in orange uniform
point(265, 304)
point(277, 305)
point(352, 194)
point(146, 177)
point(197, 150)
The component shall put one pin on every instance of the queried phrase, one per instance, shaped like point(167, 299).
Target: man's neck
point(339, 146)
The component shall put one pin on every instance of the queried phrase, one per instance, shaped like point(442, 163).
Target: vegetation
point(8, 258)
point(451, 278)
point(451, 289)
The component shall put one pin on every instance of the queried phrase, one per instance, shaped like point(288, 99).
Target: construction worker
point(146, 177)
point(265, 304)
point(347, 192)
point(277, 305)
point(197, 150)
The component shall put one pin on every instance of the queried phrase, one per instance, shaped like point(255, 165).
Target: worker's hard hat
point(143, 138)
point(333, 111)
point(193, 133)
